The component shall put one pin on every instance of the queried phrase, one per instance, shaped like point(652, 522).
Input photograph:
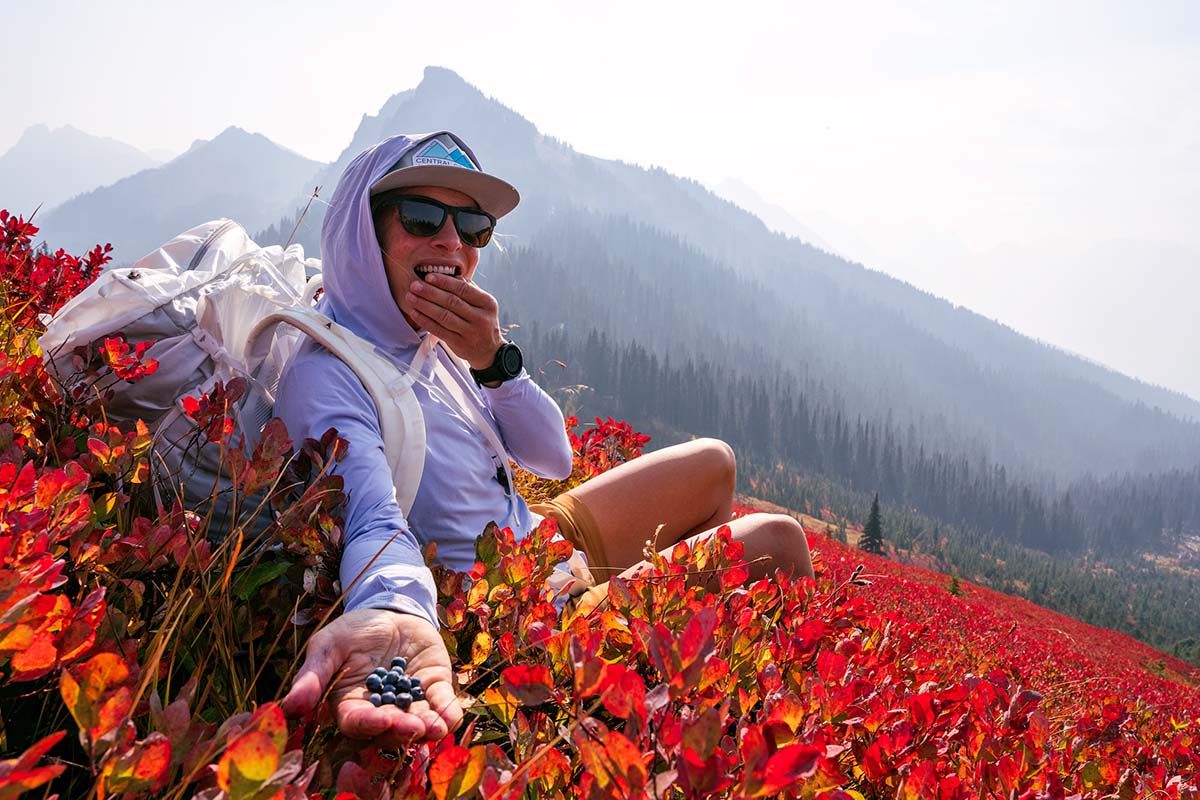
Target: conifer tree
point(872, 537)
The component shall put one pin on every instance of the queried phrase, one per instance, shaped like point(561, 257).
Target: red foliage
point(37, 283)
point(869, 682)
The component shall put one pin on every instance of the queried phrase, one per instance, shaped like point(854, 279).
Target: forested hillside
point(685, 342)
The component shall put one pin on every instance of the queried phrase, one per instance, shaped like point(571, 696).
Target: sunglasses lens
point(425, 218)
point(421, 219)
point(473, 228)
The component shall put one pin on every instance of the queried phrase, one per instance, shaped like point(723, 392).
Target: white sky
point(1037, 162)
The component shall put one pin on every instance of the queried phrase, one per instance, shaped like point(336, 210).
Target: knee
point(787, 543)
point(719, 459)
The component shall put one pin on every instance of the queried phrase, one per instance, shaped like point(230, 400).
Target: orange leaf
point(269, 719)
point(85, 695)
point(139, 767)
point(112, 712)
point(626, 760)
point(248, 762)
point(456, 771)
point(38, 658)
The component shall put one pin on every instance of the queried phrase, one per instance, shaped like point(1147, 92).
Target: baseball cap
point(443, 159)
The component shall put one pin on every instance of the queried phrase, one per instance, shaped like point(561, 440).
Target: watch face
point(511, 360)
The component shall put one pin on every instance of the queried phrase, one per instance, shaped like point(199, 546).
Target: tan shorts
point(578, 526)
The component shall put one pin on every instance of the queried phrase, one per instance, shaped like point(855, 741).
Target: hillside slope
point(982, 629)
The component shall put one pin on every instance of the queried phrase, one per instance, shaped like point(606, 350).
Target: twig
point(296, 227)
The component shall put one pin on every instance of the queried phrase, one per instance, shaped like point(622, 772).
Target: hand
point(354, 644)
point(459, 313)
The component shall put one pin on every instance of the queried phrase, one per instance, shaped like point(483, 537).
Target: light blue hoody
point(459, 493)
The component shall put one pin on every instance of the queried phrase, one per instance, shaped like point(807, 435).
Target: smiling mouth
point(424, 270)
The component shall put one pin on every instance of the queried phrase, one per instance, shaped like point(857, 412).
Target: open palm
point(349, 648)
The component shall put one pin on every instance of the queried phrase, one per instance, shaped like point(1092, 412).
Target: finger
point(444, 713)
point(444, 316)
point(320, 661)
point(446, 297)
point(429, 324)
point(358, 718)
point(470, 293)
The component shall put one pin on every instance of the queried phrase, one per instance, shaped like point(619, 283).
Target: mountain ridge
point(237, 174)
point(48, 166)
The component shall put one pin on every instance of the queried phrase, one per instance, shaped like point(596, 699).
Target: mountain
point(775, 217)
point(48, 166)
point(241, 175)
point(725, 286)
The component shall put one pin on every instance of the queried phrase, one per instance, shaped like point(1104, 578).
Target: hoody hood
point(355, 278)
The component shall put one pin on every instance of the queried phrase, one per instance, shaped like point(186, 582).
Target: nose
point(447, 237)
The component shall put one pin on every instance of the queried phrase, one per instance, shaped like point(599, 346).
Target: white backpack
point(213, 301)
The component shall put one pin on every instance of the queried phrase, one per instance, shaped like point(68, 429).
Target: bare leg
point(687, 488)
point(770, 542)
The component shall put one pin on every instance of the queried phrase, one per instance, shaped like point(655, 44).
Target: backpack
point(218, 306)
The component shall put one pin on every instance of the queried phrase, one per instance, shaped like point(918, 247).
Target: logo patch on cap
point(436, 154)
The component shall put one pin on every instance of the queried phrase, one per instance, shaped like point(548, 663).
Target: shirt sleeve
point(532, 426)
point(382, 565)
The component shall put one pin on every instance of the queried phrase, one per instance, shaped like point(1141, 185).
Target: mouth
point(424, 270)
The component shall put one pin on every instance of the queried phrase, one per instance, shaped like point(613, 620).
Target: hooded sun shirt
point(458, 494)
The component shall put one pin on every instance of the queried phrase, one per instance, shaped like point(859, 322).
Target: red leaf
point(531, 684)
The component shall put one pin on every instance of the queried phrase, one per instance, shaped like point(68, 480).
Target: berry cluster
point(393, 687)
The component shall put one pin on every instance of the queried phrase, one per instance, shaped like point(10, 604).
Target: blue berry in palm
point(403, 685)
point(374, 683)
point(388, 698)
point(399, 662)
point(376, 699)
point(380, 671)
point(404, 700)
point(417, 694)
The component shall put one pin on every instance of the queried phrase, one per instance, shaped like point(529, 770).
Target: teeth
point(443, 270)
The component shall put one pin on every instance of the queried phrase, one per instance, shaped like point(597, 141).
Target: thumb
point(308, 686)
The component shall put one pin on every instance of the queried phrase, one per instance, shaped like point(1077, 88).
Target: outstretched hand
point(346, 650)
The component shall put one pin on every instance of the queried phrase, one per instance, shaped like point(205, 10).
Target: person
point(401, 244)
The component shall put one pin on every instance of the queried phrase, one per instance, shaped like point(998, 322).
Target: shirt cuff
point(508, 388)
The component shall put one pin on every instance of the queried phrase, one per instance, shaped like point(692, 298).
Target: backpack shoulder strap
point(401, 420)
point(454, 380)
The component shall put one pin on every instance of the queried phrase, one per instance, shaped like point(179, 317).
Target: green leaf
point(250, 581)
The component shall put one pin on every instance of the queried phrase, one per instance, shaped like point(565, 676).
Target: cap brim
point(493, 195)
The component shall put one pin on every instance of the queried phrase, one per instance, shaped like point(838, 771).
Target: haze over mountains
point(237, 174)
point(659, 261)
point(46, 167)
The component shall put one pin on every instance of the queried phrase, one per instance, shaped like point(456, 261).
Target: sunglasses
point(422, 216)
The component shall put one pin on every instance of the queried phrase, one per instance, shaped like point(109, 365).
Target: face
point(405, 256)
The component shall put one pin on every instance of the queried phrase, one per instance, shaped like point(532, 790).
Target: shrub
point(141, 656)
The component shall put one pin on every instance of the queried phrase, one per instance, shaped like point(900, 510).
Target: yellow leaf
point(481, 648)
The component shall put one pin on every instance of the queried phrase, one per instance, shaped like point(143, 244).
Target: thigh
point(685, 488)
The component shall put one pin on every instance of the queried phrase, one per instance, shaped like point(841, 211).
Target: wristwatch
point(505, 366)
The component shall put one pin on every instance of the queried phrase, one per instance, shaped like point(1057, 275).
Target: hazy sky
point(1037, 162)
